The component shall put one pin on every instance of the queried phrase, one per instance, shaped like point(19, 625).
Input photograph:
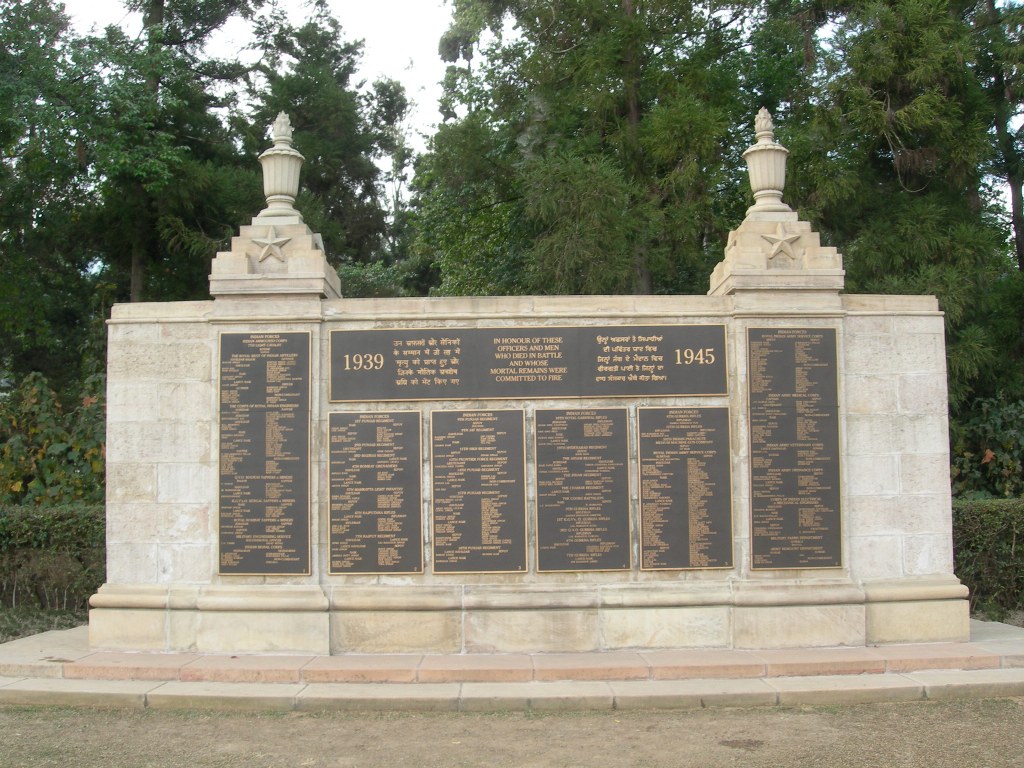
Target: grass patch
point(22, 622)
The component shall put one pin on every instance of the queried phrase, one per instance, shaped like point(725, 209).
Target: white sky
point(400, 41)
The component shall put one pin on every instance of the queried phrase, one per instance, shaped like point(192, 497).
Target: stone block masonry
point(762, 467)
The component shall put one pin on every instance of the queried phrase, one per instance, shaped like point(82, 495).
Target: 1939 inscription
point(376, 522)
point(794, 448)
point(478, 470)
point(582, 490)
point(264, 515)
point(685, 488)
point(482, 363)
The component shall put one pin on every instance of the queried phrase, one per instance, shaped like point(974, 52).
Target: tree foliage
point(593, 146)
point(128, 160)
point(51, 454)
point(48, 291)
point(988, 450)
point(587, 146)
point(600, 133)
point(343, 131)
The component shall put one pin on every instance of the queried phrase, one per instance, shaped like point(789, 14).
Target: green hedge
point(55, 557)
point(988, 548)
point(51, 557)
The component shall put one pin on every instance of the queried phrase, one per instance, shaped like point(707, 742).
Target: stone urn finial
point(766, 163)
point(281, 164)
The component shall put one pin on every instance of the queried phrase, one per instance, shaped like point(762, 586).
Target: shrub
point(51, 557)
point(988, 549)
point(51, 454)
point(988, 450)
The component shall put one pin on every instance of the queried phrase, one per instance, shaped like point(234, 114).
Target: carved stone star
point(782, 243)
point(271, 245)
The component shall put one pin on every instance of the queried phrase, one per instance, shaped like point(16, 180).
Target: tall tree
point(600, 131)
point(172, 181)
point(902, 187)
point(49, 284)
point(999, 30)
point(346, 131)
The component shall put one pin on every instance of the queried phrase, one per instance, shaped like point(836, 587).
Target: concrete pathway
point(58, 669)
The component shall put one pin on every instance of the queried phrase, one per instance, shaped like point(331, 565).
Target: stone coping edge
point(315, 598)
point(528, 696)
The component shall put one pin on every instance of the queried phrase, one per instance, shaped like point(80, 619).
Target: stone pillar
point(896, 583)
point(772, 250)
point(276, 255)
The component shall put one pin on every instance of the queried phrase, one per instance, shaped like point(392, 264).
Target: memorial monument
point(294, 471)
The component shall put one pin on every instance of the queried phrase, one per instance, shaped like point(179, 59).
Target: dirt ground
point(897, 735)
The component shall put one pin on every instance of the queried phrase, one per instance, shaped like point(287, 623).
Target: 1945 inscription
point(264, 453)
point(482, 363)
point(794, 448)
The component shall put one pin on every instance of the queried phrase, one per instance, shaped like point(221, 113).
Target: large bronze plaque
point(685, 488)
point(478, 469)
point(264, 453)
point(796, 520)
point(486, 363)
point(376, 519)
point(583, 490)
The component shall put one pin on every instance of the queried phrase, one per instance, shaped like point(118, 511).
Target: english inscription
point(685, 488)
point(478, 470)
point(376, 522)
point(483, 363)
point(582, 490)
point(794, 445)
point(264, 516)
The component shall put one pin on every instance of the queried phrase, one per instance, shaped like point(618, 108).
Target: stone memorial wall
point(293, 471)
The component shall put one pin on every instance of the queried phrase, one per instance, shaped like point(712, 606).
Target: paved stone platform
point(58, 669)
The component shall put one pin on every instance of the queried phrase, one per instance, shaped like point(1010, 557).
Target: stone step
point(58, 669)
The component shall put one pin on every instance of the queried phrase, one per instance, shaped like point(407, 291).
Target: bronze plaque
point(376, 519)
point(478, 470)
point(583, 490)
point(794, 448)
point(264, 454)
point(488, 363)
point(685, 488)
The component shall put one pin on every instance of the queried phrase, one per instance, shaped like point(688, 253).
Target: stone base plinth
point(917, 611)
point(503, 619)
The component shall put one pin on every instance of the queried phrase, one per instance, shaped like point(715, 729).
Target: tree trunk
point(1017, 218)
point(152, 20)
point(631, 86)
point(140, 257)
point(1012, 165)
